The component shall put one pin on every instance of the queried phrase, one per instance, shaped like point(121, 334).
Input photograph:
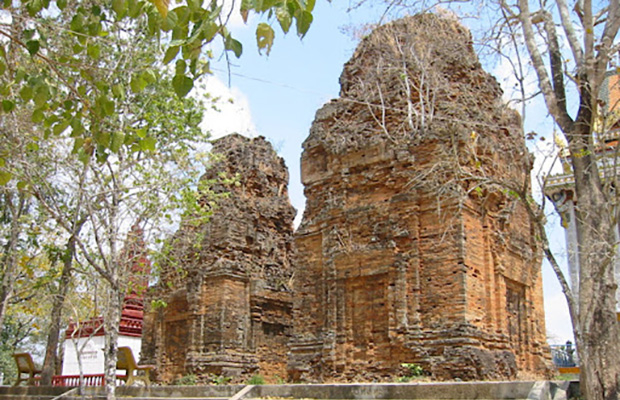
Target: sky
point(276, 96)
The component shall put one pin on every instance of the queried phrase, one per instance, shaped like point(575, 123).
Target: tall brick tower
point(412, 249)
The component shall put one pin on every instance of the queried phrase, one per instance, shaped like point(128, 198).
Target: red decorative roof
point(130, 325)
point(133, 306)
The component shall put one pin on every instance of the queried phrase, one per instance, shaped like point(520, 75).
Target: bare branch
point(569, 30)
point(560, 115)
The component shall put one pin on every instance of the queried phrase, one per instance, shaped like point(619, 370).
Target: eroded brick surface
point(409, 250)
point(228, 283)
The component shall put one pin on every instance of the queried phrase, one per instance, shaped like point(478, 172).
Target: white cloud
point(229, 112)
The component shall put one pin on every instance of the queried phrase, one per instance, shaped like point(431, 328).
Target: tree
point(63, 45)
point(145, 185)
point(569, 50)
point(138, 165)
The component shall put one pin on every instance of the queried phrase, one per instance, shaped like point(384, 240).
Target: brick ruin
point(408, 252)
point(228, 294)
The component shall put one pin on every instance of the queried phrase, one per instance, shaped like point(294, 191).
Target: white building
point(87, 339)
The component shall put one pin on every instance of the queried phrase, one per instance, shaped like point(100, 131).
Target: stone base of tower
point(443, 355)
point(229, 364)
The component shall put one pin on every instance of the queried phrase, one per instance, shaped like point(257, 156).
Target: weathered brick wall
point(228, 289)
point(409, 250)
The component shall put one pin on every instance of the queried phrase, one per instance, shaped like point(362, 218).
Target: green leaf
point(209, 29)
point(310, 5)
point(2, 162)
point(169, 22)
point(77, 145)
point(103, 138)
point(60, 127)
point(149, 76)
point(33, 46)
point(20, 75)
point(264, 37)
point(119, 7)
point(246, 6)
point(194, 5)
point(28, 33)
point(135, 8)
point(304, 19)
point(26, 93)
point(34, 6)
point(234, 45)
point(77, 22)
point(93, 51)
point(83, 156)
point(42, 94)
point(2, 67)
point(107, 105)
point(118, 91)
point(118, 138)
point(148, 144)
point(183, 13)
point(284, 18)
point(162, 6)
point(154, 23)
point(32, 146)
point(137, 83)
point(76, 127)
point(180, 67)
point(171, 53)
point(102, 155)
point(37, 116)
point(5, 177)
point(61, 4)
point(182, 85)
point(8, 105)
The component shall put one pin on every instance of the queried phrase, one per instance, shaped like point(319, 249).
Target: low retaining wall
point(441, 390)
point(541, 390)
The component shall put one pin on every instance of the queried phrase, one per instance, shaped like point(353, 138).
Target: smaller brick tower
point(228, 300)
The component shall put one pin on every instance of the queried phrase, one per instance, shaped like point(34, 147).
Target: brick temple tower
point(227, 287)
point(409, 250)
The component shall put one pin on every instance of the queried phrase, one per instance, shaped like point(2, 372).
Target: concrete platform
point(534, 390)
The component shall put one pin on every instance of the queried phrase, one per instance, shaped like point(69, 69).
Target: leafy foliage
point(54, 61)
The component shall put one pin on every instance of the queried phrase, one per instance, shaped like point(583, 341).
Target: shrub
point(413, 370)
point(186, 380)
point(220, 380)
point(256, 380)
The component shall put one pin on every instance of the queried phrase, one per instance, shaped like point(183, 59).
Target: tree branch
point(560, 116)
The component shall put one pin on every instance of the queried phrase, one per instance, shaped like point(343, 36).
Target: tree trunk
point(598, 344)
point(51, 358)
point(9, 259)
point(112, 322)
